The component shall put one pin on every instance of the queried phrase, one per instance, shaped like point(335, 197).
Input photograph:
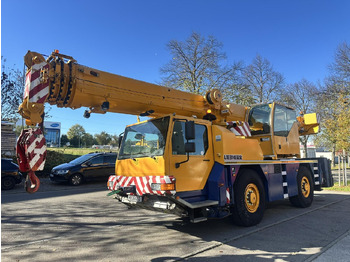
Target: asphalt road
point(63, 223)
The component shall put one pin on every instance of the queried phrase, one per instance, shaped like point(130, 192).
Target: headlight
point(162, 187)
point(62, 172)
point(155, 186)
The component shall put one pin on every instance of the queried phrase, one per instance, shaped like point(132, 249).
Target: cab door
point(192, 174)
point(285, 131)
point(260, 123)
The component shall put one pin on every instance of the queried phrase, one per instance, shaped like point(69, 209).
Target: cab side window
point(178, 139)
point(284, 119)
point(259, 119)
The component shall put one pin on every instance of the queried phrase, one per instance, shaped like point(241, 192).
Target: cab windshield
point(145, 140)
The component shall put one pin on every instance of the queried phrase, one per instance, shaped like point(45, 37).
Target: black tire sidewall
point(7, 183)
point(300, 200)
point(241, 215)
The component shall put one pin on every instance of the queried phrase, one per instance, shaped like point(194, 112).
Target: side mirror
point(190, 132)
point(190, 147)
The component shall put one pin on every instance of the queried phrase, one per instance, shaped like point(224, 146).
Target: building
point(8, 139)
point(52, 132)
point(311, 150)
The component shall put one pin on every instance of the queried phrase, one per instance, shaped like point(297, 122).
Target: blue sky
point(129, 38)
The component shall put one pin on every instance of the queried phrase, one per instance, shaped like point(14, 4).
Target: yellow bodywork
point(228, 147)
point(309, 124)
point(146, 166)
point(285, 147)
point(73, 85)
point(191, 175)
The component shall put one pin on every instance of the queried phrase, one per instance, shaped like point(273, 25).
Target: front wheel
point(250, 200)
point(305, 184)
point(75, 179)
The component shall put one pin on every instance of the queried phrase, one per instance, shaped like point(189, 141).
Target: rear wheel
point(75, 179)
point(305, 184)
point(250, 200)
point(7, 183)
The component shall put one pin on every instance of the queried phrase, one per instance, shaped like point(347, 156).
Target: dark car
point(86, 167)
point(10, 176)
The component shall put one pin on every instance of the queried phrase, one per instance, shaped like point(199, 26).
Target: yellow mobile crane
point(197, 156)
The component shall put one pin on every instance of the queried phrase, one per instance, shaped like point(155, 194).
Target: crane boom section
point(73, 85)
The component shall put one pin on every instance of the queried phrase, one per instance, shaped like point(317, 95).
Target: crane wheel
point(305, 184)
point(250, 201)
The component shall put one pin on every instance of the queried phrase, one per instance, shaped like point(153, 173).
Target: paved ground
point(63, 223)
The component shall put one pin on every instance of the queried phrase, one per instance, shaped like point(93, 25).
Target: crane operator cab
point(276, 127)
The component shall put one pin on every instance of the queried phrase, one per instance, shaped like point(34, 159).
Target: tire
point(305, 184)
point(76, 179)
point(250, 201)
point(7, 183)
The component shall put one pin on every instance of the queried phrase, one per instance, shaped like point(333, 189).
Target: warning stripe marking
point(239, 128)
point(142, 184)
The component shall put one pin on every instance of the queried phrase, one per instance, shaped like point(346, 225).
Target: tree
point(327, 109)
point(340, 68)
point(197, 65)
point(301, 96)
point(103, 138)
point(12, 90)
point(88, 140)
point(334, 101)
point(75, 134)
point(343, 119)
point(12, 86)
point(64, 140)
point(114, 140)
point(264, 82)
point(236, 90)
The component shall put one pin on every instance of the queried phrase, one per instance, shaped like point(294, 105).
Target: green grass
point(340, 188)
point(77, 151)
point(336, 167)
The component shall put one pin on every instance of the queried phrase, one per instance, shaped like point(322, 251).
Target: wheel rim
point(305, 186)
point(76, 180)
point(252, 198)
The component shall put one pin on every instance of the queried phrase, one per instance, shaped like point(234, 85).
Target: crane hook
point(32, 182)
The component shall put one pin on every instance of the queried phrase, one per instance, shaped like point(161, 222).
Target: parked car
point(10, 176)
point(86, 167)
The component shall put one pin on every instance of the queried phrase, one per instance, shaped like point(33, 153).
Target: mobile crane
point(197, 156)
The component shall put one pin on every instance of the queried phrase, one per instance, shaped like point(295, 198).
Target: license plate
point(134, 199)
point(51, 175)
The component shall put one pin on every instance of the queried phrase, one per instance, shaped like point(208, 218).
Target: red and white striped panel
point(228, 197)
point(35, 149)
point(239, 128)
point(34, 87)
point(142, 184)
